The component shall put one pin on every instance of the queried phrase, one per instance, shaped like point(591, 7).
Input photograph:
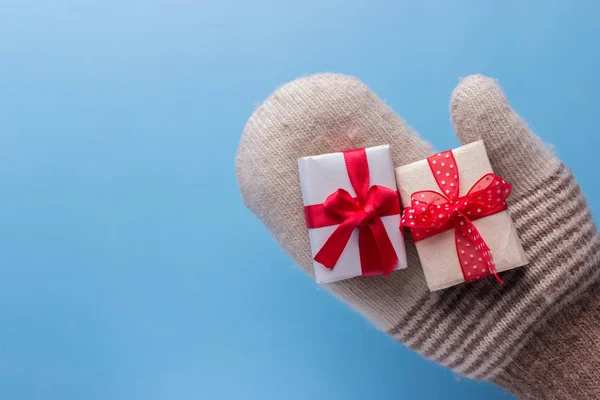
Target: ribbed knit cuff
point(562, 359)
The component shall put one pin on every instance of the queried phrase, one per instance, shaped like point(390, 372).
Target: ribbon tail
point(474, 255)
point(377, 254)
point(500, 281)
point(370, 263)
point(333, 248)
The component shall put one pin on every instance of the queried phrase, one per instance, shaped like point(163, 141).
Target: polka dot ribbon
point(431, 213)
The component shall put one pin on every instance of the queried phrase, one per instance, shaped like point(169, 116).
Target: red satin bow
point(431, 213)
point(377, 254)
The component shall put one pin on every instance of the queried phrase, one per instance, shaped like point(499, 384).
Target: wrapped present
point(352, 211)
point(456, 211)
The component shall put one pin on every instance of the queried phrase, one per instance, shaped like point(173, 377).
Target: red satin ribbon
point(431, 213)
point(377, 254)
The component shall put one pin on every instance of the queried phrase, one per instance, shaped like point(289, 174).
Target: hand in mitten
point(481, 329)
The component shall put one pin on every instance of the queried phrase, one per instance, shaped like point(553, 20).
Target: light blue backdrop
point(129, 268)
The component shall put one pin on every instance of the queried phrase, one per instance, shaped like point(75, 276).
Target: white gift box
point(322, 175)
point(438, 253)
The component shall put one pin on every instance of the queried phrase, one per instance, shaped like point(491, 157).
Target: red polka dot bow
point(431, 213)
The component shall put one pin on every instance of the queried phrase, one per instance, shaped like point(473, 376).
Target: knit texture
point(476, 329)
point(561, 360)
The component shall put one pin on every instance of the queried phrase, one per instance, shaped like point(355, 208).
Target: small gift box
point(352, 211)
point(456, 210)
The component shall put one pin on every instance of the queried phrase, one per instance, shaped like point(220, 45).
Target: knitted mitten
point(481, 329)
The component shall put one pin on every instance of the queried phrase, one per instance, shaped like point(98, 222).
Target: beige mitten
point(481, 329)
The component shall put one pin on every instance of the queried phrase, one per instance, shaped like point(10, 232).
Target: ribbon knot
point(458, 208)
point(363, 212)
point(370, 213)
point(378, 201)
point(431, 213)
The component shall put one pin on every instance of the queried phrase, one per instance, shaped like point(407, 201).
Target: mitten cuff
point(562, 359)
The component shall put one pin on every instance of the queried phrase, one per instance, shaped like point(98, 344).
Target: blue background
point(129, 268)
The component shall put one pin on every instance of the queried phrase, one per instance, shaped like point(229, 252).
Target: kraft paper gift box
point(333, 180)
point(446, 259)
